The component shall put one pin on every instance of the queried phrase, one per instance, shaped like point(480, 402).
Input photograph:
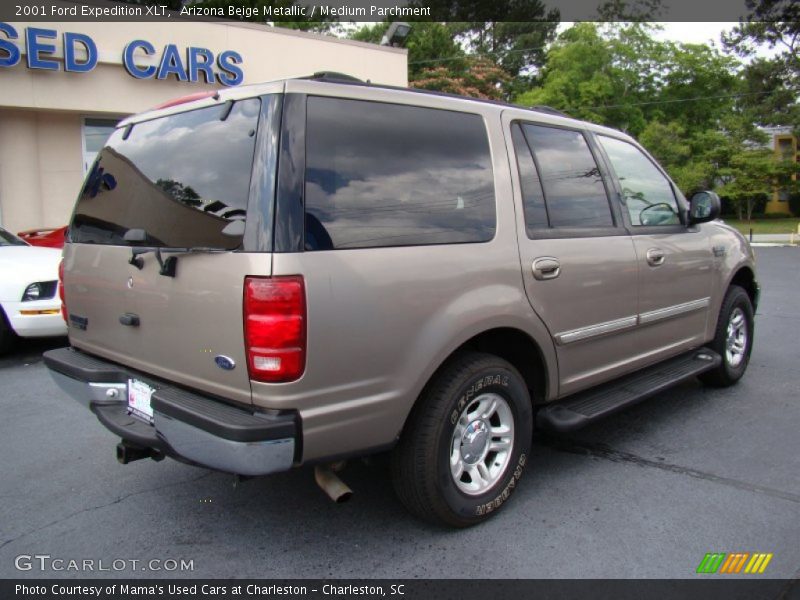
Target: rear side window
point(181, 178)
point(532, 193)
point(392, 175)
point(573, 187)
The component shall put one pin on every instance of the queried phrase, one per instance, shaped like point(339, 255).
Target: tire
point(473, 397)
point(735, 327)
point(7, 335)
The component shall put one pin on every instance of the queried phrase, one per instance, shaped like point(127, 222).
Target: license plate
point(139, 394)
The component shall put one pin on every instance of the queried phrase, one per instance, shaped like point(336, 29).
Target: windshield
point(181, 178)
point(9, 239)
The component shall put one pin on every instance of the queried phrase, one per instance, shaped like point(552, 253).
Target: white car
point(29, 302)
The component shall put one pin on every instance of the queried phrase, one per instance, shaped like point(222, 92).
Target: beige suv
point(306, 271)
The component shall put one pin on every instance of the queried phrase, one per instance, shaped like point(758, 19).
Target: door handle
point(546, 267)
point(655, 257)
point(129, 319)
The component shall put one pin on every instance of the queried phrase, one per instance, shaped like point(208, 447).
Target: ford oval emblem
point(225, 362)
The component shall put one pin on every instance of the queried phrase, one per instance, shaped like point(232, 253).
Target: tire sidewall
point(738, 300)
point(508, 384)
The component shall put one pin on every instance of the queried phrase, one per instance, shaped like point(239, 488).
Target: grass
point(765, 225)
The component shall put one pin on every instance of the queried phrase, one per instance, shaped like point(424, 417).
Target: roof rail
point(549, 110)
point(334, 76)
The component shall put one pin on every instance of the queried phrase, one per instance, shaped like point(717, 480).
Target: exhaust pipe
point(127, 453)
point(335, 488)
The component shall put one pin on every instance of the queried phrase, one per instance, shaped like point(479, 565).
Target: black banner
point(315, 11)
point(402, 589)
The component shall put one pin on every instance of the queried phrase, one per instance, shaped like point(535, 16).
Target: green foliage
point(773, 83)
point(512, 33)
point(621, 76)
point(429, 45)
point(682, 101)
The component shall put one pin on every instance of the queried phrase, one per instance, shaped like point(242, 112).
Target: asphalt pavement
point(645, 493)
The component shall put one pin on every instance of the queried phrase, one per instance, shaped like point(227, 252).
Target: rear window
point(181, 178)
point(392, 175)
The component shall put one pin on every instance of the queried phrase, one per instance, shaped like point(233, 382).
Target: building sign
point(190, 64)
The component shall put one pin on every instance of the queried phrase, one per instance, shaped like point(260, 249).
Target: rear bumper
point(186, 425)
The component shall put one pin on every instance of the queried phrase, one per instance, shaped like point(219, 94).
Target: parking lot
point(646, 493)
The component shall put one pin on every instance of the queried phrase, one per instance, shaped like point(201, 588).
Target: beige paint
point(42, 112)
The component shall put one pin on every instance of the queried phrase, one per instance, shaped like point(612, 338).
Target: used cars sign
point(189, 64)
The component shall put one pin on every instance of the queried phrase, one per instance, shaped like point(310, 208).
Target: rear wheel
point(466, 443)
point(733, 339)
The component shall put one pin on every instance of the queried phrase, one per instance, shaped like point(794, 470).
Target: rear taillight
point(275, 328)
point(61, 290)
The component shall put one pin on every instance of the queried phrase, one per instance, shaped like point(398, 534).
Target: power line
point(480, 55)
point(687, 99)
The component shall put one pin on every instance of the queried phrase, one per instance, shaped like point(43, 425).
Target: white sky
point(693, 33)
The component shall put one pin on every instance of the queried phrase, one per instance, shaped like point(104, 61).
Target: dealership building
point(63, 87)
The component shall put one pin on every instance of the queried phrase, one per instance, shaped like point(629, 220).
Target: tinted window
point(532, 195)
point(181, 178)
point(573, 186)
point(648, 194)
point(9, 239)
point(393, 175)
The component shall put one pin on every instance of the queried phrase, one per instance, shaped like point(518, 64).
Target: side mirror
point(704, 207)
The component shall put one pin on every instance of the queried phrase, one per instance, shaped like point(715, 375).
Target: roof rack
point(549, 110)
point(335, 77)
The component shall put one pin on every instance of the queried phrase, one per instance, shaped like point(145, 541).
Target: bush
point(775, 216)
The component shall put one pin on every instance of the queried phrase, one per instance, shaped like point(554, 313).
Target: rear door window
point(573, 187)
point(393, 175)
point(182, 178)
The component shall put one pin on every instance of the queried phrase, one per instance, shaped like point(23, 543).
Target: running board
point(585, 407)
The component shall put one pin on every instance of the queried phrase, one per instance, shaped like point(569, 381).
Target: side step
point(585, 407)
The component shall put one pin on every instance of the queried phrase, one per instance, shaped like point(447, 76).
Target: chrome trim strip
point(594, 330)
point(673, 311)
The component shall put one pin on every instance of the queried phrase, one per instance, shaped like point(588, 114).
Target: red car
point(49, 238)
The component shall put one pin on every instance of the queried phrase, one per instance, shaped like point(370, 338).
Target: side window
point(532, 194)
point(573, 186)
point(392, 175)
point(648, 194)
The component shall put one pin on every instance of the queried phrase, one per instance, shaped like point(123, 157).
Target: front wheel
point(466, 442)
point(733, 339)
point(7, 335)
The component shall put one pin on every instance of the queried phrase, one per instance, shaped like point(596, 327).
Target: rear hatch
point(171, 194)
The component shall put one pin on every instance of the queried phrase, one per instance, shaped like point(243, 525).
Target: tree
point(480, 78)
point(586, 75)
point(512, 33)
point(771, 84)
point(429, 45)
point(619, 75)
point(622, 10)
point(751, 178)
